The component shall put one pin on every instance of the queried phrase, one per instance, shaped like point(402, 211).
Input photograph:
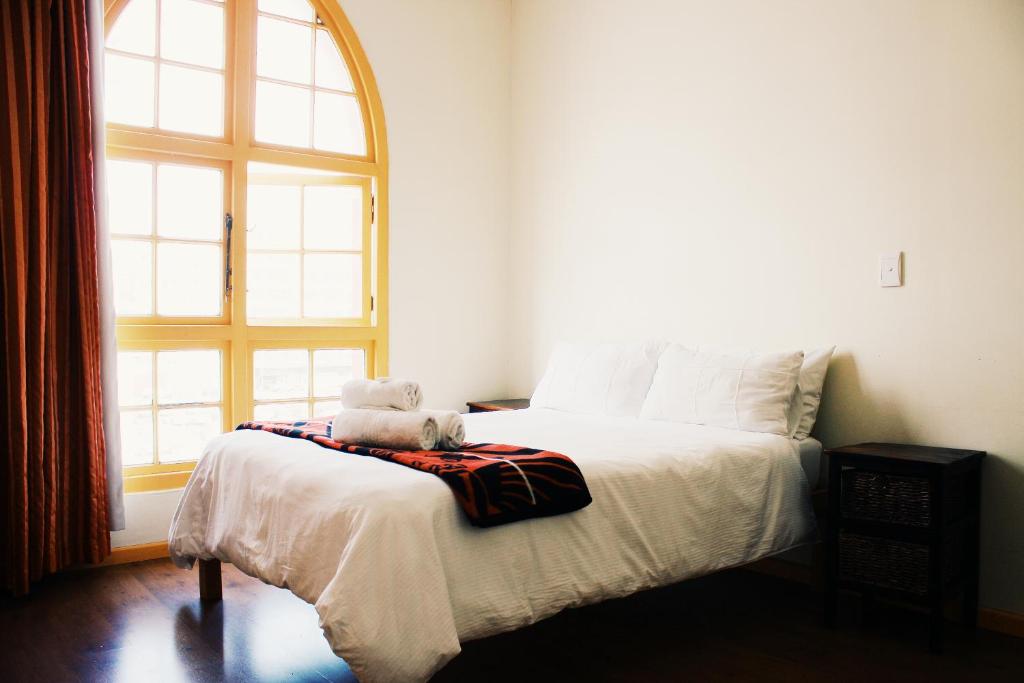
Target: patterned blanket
point(494, 484)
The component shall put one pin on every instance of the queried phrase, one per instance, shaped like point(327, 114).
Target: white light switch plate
point(890, 269)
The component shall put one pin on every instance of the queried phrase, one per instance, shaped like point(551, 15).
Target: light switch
point(890, 269)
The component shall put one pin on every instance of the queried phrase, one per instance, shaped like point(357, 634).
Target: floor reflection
point(142, 623)
point(257, 633)
point(207, 620)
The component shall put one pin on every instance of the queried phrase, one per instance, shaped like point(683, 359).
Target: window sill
point(142, 482)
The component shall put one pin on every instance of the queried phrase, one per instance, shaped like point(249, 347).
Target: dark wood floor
point(144, 622)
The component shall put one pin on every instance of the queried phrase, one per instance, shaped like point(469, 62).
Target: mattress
point(383, 552)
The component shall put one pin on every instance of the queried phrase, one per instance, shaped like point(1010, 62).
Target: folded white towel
point(395, 429)
point(451, 430)
point(385, 392)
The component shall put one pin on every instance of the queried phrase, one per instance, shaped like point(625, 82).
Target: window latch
point(228, 225)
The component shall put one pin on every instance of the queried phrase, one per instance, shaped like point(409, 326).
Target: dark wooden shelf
point(500, 404)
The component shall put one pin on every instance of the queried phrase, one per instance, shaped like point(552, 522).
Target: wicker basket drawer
point(883, 562)
point(898, 565)
point(883, 497)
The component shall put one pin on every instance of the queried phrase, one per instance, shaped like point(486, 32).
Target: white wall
point(729, 172)
point(147, 517)
point(443, 70)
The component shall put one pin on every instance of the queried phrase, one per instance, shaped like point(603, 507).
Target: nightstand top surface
point(921, 454)
point(501, 404)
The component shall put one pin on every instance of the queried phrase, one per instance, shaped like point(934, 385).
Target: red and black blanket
point(494, 484)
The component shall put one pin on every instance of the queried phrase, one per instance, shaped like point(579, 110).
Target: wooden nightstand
point(903, 523)
point(503, 404)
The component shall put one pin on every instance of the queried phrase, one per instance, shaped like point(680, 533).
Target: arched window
point(247, 177)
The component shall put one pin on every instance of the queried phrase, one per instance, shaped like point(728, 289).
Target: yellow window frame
point(231, 333)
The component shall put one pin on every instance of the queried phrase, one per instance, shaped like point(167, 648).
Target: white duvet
point(399, 577)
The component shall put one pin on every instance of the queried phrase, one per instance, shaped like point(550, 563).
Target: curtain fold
point(108, 329)
point(53, 488)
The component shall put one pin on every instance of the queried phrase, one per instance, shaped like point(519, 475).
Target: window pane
point(331, 71)
point(133, 277)
point(281, 412)
point(128, 90)
point(282, 114)
point(273, 286)
point(338, 124)
point(296, 9)
point(191, 101)
point(135, 28)
point(130, 197)
point(192, 32)
point(273, 215)
point(283, 51)
point(333, 217)
point(334, 367)
point(326, 409)
point(280, 373)
point(190, 202)
point(134, 378)
point(137, 437)
point(333, 286)
point(189, 279)
point(183, 432)
point(192, 376)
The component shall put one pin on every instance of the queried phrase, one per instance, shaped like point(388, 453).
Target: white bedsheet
point(810, 450)
point(399, 577)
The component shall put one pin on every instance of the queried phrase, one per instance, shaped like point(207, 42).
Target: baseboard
point(1001, 621)
point(136, 553)
point(989, 618)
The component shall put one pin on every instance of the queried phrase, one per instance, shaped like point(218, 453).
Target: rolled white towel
point(451, 430)
point(395, 429)
point(385, 392)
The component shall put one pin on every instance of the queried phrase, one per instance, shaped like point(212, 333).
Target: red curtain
point(53, 498)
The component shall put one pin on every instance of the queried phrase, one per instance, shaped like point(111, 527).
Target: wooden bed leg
point(209, 580)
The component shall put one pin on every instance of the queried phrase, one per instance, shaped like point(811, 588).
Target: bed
point(399, 577)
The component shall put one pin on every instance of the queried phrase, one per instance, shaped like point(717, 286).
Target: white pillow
point(804, 411)
point(745, 391)
point(601, 379)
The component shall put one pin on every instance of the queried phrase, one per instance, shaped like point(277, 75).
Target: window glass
point(331, 71)
point(192, 32)
point(333, 367)
point(184, 432)
point(189, 279)
point(191, 100)
point(191, 376)
point(190, 202)
point(280, 373)
point(282, 114)
point(135, 30)
point(130, 192)
point(129, 84)
point(133, 276)
point(284, 51)
point(337, 124)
